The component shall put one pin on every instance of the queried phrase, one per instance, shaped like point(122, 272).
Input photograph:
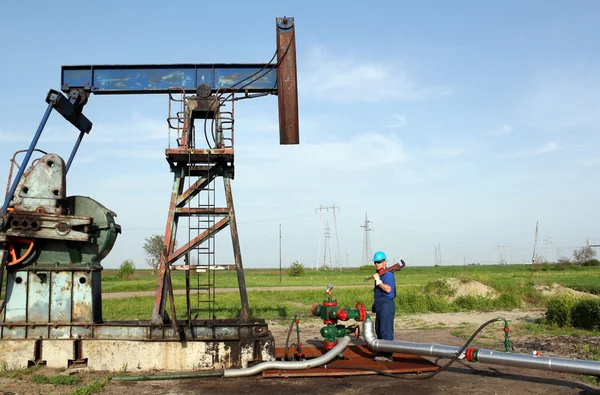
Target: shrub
point(126, 270)
point(559, 311)
point(296, 269)
point(591, 262)
point(586, 314)
point(508, 301)
point(367, 268)
point(439, 288)
point(591, 289)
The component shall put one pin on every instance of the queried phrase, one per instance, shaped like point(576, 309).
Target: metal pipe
point(290, 365)
point(23, 167)
point(74, 151)
point(563, 365)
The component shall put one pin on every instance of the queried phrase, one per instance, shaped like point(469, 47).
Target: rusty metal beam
point(287, 82)
point(194, 190)
point(198, 239)
point(199, 211)
point(169, 245)
point(237, 254)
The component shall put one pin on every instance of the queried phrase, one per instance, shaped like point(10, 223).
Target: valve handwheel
point(12, 251)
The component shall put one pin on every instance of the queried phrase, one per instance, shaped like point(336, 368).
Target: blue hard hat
point(379, 256)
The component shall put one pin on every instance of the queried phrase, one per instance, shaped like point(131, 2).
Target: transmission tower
point(548, 241)
point(438, 255)
point(502, 255)
point(327, 249)
point(366, 256)
point(320, 255)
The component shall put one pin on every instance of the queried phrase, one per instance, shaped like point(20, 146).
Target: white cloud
point(334, 78)
point(547, 147)
point(502, 130)
point(400, 121)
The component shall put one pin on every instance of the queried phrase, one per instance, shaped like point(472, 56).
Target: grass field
point(422, 291)
point(496, 276)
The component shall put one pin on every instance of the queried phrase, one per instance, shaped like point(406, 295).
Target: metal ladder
point(201, 258)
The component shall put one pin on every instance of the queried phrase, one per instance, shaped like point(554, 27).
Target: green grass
point(498, 276)
point(283, 304)
point(92, 388)
point(56, 380)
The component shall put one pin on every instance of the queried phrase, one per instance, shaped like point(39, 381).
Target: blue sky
point(457, 124)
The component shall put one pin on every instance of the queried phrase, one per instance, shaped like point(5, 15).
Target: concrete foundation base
point(133, 355)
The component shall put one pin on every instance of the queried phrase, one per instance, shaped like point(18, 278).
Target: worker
point(384, 293)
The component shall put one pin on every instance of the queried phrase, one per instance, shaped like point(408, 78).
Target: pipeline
point(290, 365)
point(283, 365)
point(562, 365)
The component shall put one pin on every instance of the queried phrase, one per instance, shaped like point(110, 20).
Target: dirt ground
point(460, 378)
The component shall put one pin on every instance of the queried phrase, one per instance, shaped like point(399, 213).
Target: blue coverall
point(385, 309)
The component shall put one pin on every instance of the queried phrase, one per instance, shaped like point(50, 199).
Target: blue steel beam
point(124, 79)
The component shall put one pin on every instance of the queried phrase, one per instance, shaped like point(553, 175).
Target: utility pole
point(534, 246)
point(366, 256)
point(280, 275)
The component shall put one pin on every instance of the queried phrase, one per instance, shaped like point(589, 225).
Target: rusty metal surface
point(45, 303)
point(196, 187)
point(41, 186)
point(237, 253)
point(181, 251)
point(201, 330)
point(354, 356)
point(197, 211)
point(198, 155)
point(158, 312)
point(287, 82)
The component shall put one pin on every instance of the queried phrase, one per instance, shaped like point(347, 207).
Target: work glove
point(377, 279)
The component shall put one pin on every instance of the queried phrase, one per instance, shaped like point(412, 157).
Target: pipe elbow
point(369, 334)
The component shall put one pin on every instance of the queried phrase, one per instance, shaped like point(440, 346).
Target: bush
point(367, 268)
point(591, 289)
point(439, 288)
point(586, 314)
point(559, 311)
point(126, 270)
point(591, 262)
point(508, 301)
point(296, 269)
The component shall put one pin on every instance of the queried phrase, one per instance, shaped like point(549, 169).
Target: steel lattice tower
point(366, 256)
